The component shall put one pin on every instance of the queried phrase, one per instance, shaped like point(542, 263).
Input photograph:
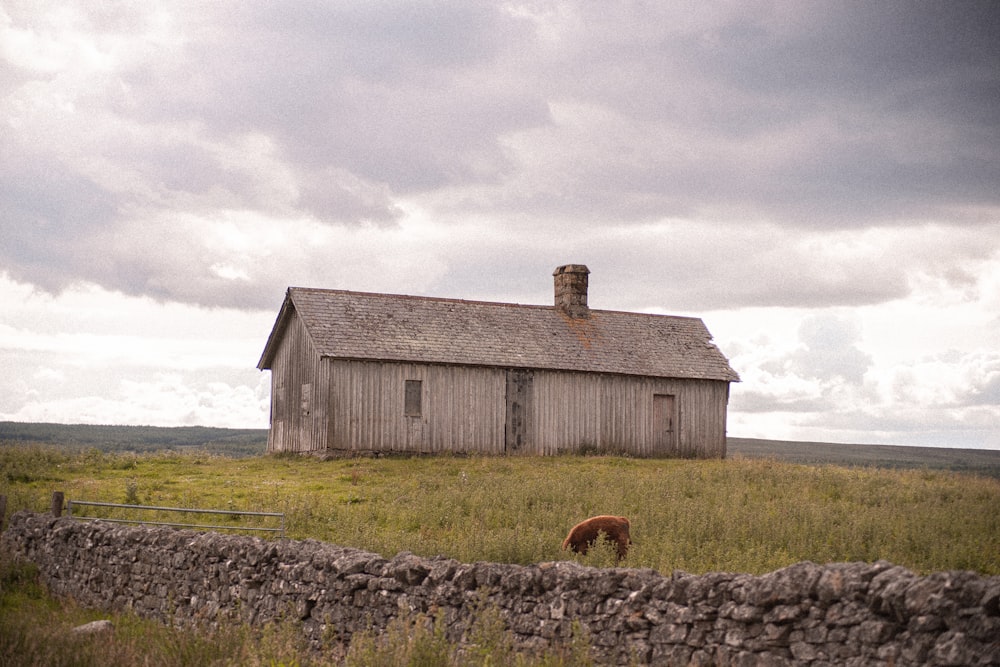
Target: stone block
point(842, 613)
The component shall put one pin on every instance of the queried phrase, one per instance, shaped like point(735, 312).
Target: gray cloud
point(697, 266)
point(47, 209)
point(755, 402)
point(399, 94)
point(986, 393)
point(760, 163)
point(739, 118)
point(921, 427)
point(830, 350)
point(818, 115)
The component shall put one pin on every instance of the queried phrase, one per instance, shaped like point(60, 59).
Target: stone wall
point(805, 614)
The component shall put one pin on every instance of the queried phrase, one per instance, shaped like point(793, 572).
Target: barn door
point(664, 424)
point(518, 406)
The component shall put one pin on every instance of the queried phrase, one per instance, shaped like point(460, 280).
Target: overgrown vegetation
point(733, 515)
point(37, 631)
point(739, 515)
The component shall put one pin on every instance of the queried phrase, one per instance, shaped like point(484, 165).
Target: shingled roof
point(388, 327)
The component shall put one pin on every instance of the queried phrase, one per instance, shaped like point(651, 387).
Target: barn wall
point(462, 408)
point(703, 418)
point(298, 394)
point(615, 413)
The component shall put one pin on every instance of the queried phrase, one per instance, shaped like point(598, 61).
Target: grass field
point(740, 514)
point(745, 514)
point(253, 442)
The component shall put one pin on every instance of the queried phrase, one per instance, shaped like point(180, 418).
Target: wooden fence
point(58, 501)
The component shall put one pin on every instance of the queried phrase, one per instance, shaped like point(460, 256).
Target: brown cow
point(614, 528)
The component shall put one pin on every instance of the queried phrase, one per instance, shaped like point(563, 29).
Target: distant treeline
point(107, 438)
point(238, 442)
point(976, 461)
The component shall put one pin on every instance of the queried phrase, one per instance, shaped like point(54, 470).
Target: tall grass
point(420, 641)
point(732, 515)
point(36, 631)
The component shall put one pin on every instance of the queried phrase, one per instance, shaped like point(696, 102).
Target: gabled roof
point(388, 327)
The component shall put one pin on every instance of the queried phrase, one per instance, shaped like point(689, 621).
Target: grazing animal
point(614, 528)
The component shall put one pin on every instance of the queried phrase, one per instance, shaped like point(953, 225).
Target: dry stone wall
point(805, 614)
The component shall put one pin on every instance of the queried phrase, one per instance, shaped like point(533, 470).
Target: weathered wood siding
point(467, 409)
point(360, 406)
point(299, 387)
point(462, 408)
point(572, 411)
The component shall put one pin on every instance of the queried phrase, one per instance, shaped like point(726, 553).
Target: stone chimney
point(571, 289)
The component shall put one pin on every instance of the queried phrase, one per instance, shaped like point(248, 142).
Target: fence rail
point(70, 504)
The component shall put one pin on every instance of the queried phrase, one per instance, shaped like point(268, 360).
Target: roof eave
point(277, 331)
point(732, 376)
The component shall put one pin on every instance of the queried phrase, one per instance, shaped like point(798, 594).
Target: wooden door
point(664, 424)
point(517, 427)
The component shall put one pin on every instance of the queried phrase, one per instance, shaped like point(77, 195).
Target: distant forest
point(975, 461)
point(221, 441)
point(253, 442)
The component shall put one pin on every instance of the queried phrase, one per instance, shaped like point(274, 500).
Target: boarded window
point(278, 400)
point(306, 399)
point(412, 399)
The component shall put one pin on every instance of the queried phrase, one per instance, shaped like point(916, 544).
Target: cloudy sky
point(820, 182)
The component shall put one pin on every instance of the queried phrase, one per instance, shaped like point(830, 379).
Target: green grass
point(36, 630)
point(742, 515)
point(253, 442)
point(738, 515)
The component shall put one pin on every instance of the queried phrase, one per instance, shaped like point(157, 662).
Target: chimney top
point(571, 289)
point(571, 268)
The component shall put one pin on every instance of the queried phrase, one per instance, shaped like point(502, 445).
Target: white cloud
point(93, 356)
point(920, 370)
point(818, 181)
point(167, 400)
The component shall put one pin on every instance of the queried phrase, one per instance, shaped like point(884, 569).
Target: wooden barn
point(362, 373)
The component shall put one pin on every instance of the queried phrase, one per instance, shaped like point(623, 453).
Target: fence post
point(57, 503)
